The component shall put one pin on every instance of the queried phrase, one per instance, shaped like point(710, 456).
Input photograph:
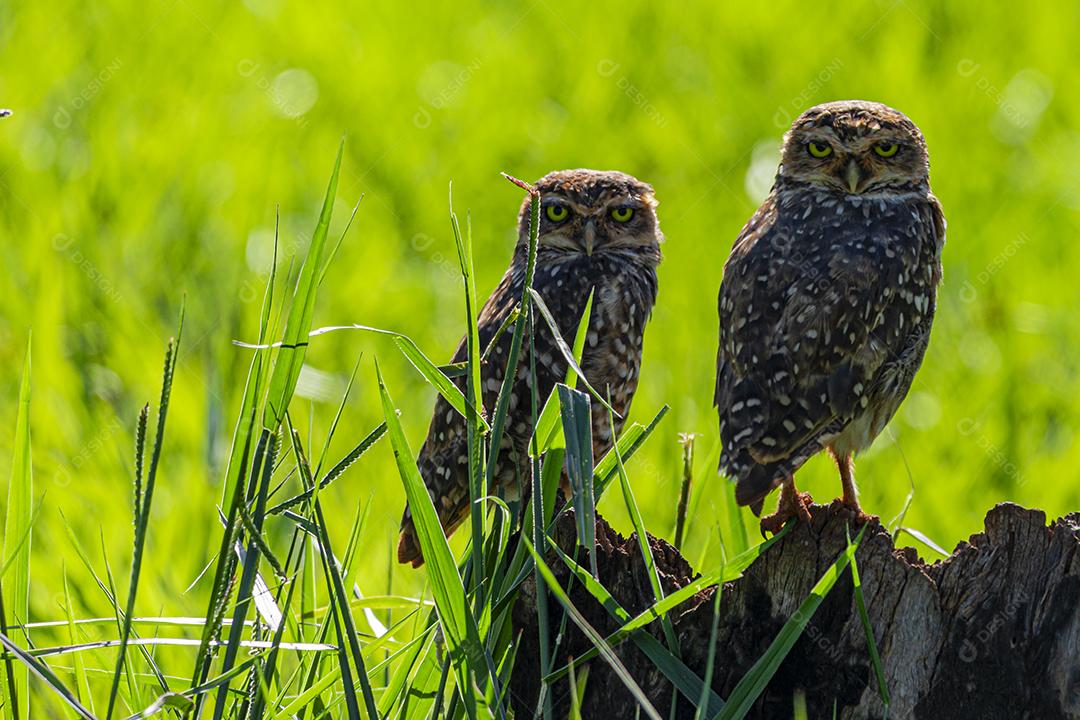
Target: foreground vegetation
point(149, 151)
point(261, 655)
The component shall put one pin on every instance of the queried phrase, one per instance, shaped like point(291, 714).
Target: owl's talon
point(853, 509)
point(793, 504)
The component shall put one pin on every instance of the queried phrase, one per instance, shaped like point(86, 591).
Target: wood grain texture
point(993, 631)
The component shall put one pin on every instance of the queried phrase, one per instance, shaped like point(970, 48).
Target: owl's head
point(852, 147)
point(590, 211)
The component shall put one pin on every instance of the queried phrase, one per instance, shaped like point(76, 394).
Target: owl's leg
point(850, 499)
point(793, 504)
point(847, 479)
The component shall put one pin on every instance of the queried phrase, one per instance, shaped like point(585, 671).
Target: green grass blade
point(729, 571)
point(738, 534)
point(448, 590)
point(82, 680)
point(871, 642)
point(341, 239)
point(295, 339)
point(577, 429)
point(687, 442)
point(577, 690)
point(172, 701)
point(262, 470)
point(629, 442)
point(42, 671)
point(351, 457)
point(258, 705)
point(144, 501)
point(399, 683)
point(567, 353)
point(11, 694)
point(752, 684)
point(17, 523)
point(438, 380)
point(110, 596)
point(432, 373)
point(643, 544)
point(595, 588)
point(548, 432)
point(580, 336)
point(472, 333)
point(337, 418)
point(475, 424)
point(923, 538)
point(521, 563)
point(799, 705)
point(502, 403)
point(683, 678)
point(710, 661)
point(590, 632)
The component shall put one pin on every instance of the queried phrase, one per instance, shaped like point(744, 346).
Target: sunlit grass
point(150, 149)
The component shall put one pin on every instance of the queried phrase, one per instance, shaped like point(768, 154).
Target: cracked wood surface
point(992, 631)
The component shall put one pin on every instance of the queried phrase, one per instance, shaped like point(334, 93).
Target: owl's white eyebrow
point(823, 133)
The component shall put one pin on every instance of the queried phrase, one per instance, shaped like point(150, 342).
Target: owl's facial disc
point(853, 148)
point(614, 220)
point(588, 212)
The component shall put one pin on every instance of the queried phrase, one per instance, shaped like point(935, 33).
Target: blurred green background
point(152, 144)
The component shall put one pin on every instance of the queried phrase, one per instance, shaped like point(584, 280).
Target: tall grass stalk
point(15, 590)
point(143, 500)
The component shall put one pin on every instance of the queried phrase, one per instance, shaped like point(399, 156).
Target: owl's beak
point(590, 237)
point(853, 175)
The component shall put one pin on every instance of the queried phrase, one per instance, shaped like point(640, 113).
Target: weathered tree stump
point(993, 631)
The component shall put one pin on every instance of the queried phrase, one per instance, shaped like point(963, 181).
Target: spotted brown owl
point(827, 301)
point(598, 234)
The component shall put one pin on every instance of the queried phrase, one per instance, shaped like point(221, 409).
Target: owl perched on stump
point(598, 234)
point(827, 301)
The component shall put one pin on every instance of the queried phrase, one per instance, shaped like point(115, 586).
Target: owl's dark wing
point(738, 281)
point(443, 459)
point(625, 287)
point(811, 306)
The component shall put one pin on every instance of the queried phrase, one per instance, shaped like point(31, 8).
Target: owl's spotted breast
point(826, 302)
point(825, 312)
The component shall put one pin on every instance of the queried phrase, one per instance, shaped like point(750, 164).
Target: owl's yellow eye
point(819, 150)
point(886, 150)
point(622, 214)
point(557, 213)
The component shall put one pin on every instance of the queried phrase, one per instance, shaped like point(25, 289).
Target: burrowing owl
point(598, 233)
point(827, 301)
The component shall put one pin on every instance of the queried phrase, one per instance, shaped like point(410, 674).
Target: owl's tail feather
point(754, 485)
point(755, 481)
point(408, 547)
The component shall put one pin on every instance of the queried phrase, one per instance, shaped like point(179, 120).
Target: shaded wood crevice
point(992, 631)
